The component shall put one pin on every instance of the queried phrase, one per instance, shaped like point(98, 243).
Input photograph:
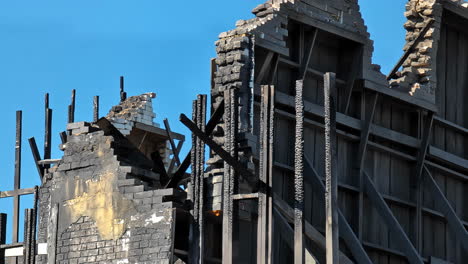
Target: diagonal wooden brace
point(217, 149)
point(217, 115)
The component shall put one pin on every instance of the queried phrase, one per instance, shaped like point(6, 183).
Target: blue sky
point(159, 46)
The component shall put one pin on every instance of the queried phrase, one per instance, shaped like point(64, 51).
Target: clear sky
point(159, 46)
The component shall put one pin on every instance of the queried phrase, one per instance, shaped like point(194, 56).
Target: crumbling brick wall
point(418, 76)
point(111, 208)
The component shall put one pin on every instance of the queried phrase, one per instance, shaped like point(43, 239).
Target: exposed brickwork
point(111, 205)
point(418, 76)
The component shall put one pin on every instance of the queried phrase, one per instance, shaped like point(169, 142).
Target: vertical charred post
point(194, 191)
point(96, 108)
point(17, 180)
point(3, 231)
point(231, 126)
point(299, 176)
point(48, 132)
point(331, 190)
point(201, 171)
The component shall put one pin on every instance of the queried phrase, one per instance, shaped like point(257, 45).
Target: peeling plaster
point(103, 202)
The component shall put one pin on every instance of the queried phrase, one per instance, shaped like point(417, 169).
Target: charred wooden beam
point(17, 177)
point(48, 136)
point(239, 167)
point(71, 107)
point(36, 157)
point(442, 204)
point(3, 231)
point(210, 126)
point(19, 192)
point(262, 205)
point(171, 141)
point(194, 227)
point(410, 49)
point(270, 164)
point(298, 177)
point(308, 56)
point(231, 165)
point(331, 192)
point(123, 94)
point(417, 179)
point(264, 69)
point(52, 226)
point(353, 243)
point(29, 241)
point(264, 235)
point(201, 120)
point(395, 228)
point(173, 161)
point(362, 151)
point(355, 69)
point(63, 137)
point(310, 232)
point(96, 108)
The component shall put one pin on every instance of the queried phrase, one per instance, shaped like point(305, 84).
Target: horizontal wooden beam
point(246, 196)
point(14, 193)
point(310, 70)
point(400, 96)
point(48, 161)
point(379, 131)
point(158, 131)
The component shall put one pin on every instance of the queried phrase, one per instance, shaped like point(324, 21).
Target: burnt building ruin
point(315, 156)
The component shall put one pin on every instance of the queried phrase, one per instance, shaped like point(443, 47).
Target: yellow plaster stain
point(104, 203)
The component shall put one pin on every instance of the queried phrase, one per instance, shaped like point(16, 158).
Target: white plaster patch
point(125, 242)
point(153, 219)
point(122, 261)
